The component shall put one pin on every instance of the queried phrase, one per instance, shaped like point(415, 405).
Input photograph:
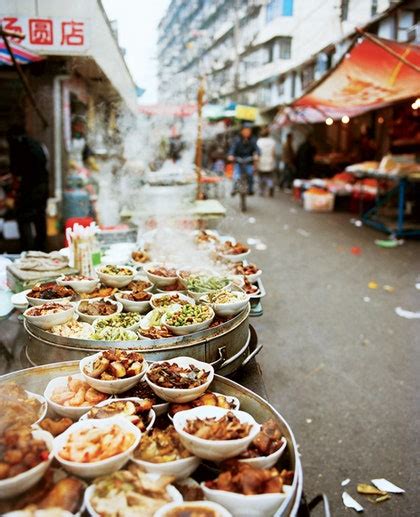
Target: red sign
point(41, 32)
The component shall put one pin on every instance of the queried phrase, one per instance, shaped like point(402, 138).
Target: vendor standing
point(28, 163)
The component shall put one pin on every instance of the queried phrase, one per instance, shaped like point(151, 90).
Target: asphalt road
point(341, 370)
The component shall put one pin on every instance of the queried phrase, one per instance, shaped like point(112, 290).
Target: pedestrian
point(288, 159)
point(244, 146)
point(266, 162)
point(305, 158)
point(28, 164)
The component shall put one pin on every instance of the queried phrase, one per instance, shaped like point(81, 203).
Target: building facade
point(265, 52)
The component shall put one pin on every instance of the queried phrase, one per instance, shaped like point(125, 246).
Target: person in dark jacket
point(28, 163)
point(305, 158)
point(244, 146)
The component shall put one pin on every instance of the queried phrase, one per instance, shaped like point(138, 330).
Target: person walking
point(28, 163)
point(266, 162)
point(244, 146)
point(288, 158)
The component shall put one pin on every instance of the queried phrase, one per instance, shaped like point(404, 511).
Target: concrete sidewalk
point(340, 369)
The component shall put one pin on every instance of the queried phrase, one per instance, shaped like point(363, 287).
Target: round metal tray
point(36, 379)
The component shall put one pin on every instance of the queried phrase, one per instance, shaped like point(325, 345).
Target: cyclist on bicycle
point(244, 146)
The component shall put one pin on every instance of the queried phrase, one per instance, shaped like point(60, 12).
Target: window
point(276, 8)
point(374, 7)
point(307, 75)
point(285, 48)
point(344, 11)
point(287, 8)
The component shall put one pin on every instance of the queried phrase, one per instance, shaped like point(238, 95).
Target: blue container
point(76, 203)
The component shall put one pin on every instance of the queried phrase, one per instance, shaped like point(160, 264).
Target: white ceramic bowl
point(47, 321)
point(19, 300)
point(116, 280)
point(235, 401)
point(266, 462)
point(197, 296)
point(67, 411)
point(183, 297)
point(229, 309)
point(111, 387)
point(241, 505)
point(159, 281)
point(90, 319)
point(182, 395)
point(34, 302)
point(133, 327)
point(151, 414)
point(235, 258)
point(142, 276)
point(44, 405)
point(132, 306)
point(254, 277)
point(188, 329)
point(214, 450)
point(16, 485)
point(102, 467)
point(172, 492)
point(80, 286)
point(180, 469)
point(204, 505)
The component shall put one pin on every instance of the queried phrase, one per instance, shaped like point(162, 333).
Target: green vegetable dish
point(205, 284)
point(189, 315)
point(113, 334)
point(123, 321)
point(118, 271)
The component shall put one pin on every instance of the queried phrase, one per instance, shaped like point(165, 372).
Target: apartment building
point(265, 52)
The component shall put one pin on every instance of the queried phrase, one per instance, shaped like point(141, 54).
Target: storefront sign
point(246, 112)
point(49, 35)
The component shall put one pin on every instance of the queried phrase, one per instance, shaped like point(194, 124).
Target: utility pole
point(236, 34)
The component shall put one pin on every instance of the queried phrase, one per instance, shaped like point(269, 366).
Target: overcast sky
point(137, 33)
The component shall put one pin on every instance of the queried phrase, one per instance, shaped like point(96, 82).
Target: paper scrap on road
point(407, 314)
point(349, 502)
point(303, 232)
point(373, 285)
point(363, 488)
point(356, 222)
point(251, 241)
point(366, 299)
point(293, 211)
point(261, 246)
point(418, 286)
point(345, 482)
point(309, 420)
point(387, 486)
point(252, 220)
point(379, 499)
point(388, 288)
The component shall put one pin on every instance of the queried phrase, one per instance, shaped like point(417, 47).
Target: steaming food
point(111, 365)
point(94, 444)
point(140, 256)
point(229, 248)
point(204, 284)
point(130, 492)
point(48, 308)
point(207, 399)
point(17, 407)
point(189, 315)
point(97, 308)
point(137, 296)
point(50, 291)
point(161, 446)
point(138, 285)
point(77, 393)
point(20, 451)
point(123, 320)
point(239, 268)
point(206, 237)
point(171, 375)
point(177, 286)
point(225, 297)
point(116, 271)
point(136, 412)
point(163, 272)
point(228, 427)
point(72, 328)
point(250, 288)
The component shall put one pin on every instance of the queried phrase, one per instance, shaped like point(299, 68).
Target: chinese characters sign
point(50, 35)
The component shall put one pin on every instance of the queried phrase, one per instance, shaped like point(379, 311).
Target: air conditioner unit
point(413, 33)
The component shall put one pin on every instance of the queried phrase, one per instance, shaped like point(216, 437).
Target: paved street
point(340, 370)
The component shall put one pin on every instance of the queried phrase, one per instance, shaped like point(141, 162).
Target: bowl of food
point(25, 455)
point(250, 271)
point(113, 371)
point(161, 452)
point(206, 238)
point(158, 332)
point(226, 303)
point(95, 308)
point(232, 490)
point(79, 283)
point(266, 448)
point(233, 252)
point(49, 314)
point(209, 398)
point(116, 276)
point(72, 396)
point(138, 411)
point(192, 509)
point(49, 292)
point(179, 380)
point(122, 320)
point(140, 283)
point(199, 285)
point(93, 448)
point(143, 391)
point(214, 433)
point(140, 257)
point(177, 286)
point(161, 275)
point(113, 334)
point(130, 492)
point(20, 407)
point(73, 329)
point(134, 301)
point(169, 299)
point(188, 319)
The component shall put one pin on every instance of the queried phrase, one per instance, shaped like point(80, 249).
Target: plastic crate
point(318, 202)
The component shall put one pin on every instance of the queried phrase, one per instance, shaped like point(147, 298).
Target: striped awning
point(22, 55)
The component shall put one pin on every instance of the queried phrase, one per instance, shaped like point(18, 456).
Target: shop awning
point(22, 55)
point(374, 73)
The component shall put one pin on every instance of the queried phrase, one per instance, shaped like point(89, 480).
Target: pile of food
point(116, 271)
point(18, 407)
point(140, 256)
point(206, 237)
point(161, 446)
point(50, 291)
point(138, 285)
point(113, 334)
point(122, 320)
point(103, 291)
point(156, 333)
point(48, 308)
point(163, 272)
point(229, 248)
point(77, 393)
point(171, 375)
point(189, 315)
point(136, 412)
point(228, 427)
point(224, 297)
point(72, 328)
point(267, 441)
point(111, 365)
point(97, 308)
point(142, 391)
point(137, 296)
point(163, 302)
point(239, 268)
point(208, 399)
point(205, 284)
